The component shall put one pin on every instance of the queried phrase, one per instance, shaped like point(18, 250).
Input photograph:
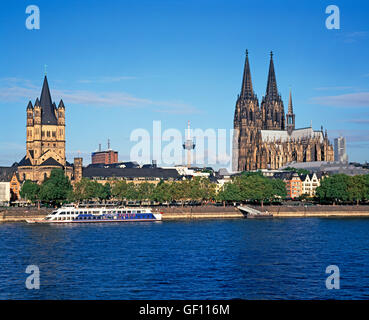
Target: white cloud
point(359, 99)
point(333, 88)
point(107, 79)
point(15, 89)
point(355, 36)
point(359, 121)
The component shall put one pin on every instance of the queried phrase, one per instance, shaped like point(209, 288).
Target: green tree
point(162, 193)
point(145, 191)
point(279, 188)
point(334, 188)
point(57, 188)
point(131, 192)
point(119, 190)
point(257, 188)
point(230, 192)
point(356, 188)
point(366, 184)
point(30, 191)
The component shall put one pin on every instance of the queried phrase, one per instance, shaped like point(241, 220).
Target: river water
point(213, 259)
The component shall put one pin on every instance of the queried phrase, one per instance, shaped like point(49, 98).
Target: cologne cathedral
point(265, 137)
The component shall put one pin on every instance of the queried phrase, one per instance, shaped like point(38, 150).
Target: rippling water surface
point(214, 259)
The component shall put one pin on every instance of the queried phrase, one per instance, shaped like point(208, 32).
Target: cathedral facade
point(265, 137)
point(45, 143)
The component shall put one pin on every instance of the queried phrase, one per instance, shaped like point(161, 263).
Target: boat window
point(138, 211)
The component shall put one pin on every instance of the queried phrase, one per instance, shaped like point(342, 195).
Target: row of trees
point(198, 189)
point(253, 187)
point(54, 190)
point(341, 188)
point(247, 187)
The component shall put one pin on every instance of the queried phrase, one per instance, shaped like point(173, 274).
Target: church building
point(265, 137)
point(45, 146)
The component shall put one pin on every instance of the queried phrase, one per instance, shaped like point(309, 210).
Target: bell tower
point(45, 146)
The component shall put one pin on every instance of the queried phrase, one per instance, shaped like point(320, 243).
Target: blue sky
point(120, 65)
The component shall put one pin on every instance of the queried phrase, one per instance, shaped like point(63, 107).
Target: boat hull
point(87, 221)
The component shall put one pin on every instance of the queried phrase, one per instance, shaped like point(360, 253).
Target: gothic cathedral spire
point(290, 116)
point(272, 105)
point(247, 122)
point(246, 90)
point(272, 90)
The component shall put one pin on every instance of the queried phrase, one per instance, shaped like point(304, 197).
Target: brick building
point(104, 157)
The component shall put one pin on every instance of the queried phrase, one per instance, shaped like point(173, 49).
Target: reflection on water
point(249, 259)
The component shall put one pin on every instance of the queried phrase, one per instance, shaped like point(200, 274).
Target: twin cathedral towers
point(265, 137)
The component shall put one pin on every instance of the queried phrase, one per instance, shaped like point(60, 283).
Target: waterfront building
point(309, 183)
point(340, 154)
point(135, 175)
point(191, 171)
point(104, 157)
point(265, 137)
point(10, 175)
point(4, 193)
point(293, 183)
point(45, 139)
point(294, 186)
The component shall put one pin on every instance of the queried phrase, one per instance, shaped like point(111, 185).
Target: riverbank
point(21, 214)
point(200, 212)
point(213, 212)
point(317, 211)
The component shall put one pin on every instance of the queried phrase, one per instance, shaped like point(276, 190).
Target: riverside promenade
point(213, 212)
point(317, 211)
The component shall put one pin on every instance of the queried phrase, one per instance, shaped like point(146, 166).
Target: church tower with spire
point(247, 121)
point(272, 109)
point(45, 143)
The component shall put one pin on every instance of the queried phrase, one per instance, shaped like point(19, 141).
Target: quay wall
point(21, 214)
point(317, 211)
point(212, 212)
point(201, 212)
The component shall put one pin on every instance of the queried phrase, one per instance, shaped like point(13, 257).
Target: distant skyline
point(120, 65)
